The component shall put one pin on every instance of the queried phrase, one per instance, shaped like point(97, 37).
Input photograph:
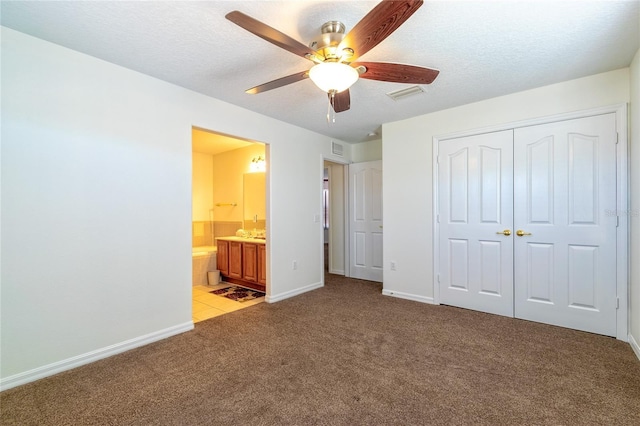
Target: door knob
point(505, 232)
point(521, 233)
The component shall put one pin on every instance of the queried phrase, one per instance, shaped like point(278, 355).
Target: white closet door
point(475, 176)
point(365, 193)
point(565, 180)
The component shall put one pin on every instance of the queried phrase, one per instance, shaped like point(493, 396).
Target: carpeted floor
point(346, 355)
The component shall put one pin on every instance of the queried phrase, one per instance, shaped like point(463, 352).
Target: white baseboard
point(634, 345)
point(336, 271)
point(408, 296)
point(291, 293)
point(89, 357)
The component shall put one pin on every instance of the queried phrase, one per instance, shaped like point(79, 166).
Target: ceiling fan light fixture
point(336, 76)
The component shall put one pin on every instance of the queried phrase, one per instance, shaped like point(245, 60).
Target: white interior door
point(565, 180)
point(365, 226)
point(475, 176)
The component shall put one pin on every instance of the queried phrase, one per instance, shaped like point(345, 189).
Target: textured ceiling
point(483, 49)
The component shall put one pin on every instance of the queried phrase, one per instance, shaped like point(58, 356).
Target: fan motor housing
point(332, 34)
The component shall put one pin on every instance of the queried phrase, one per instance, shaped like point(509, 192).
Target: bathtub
point(204, 260)
point(203, 250)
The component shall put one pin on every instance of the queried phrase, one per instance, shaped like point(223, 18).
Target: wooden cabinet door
point(262, 264)
point(235, 259)
point(222, 258)
point(250, 262)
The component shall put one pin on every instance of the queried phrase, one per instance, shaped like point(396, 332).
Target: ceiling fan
point(335, 54)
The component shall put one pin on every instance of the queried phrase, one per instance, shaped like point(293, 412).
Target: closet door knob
point(506, 232)
point(521, 233)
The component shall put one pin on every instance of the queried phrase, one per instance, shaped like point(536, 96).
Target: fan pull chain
point(331, 112)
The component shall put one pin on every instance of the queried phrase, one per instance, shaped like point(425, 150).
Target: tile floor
point(207, 305)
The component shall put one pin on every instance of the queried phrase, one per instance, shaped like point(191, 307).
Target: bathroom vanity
point(243, 261)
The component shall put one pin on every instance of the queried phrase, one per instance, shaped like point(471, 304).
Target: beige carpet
point(346, 355)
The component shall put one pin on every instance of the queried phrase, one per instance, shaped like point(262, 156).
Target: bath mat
point(239, 294)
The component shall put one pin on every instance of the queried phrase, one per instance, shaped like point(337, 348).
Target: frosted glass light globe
point(336, 76)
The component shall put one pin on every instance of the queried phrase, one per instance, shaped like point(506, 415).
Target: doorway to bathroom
point(229, 198)
point(334, 203)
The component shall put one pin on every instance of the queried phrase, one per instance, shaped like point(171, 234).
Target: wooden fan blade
point(341, 101)
point(377, 25)
point(269, 34)
point(278, 83)
point(397, 73)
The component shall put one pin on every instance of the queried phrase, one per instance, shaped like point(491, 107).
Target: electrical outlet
point(394, 265)
point(294, 265)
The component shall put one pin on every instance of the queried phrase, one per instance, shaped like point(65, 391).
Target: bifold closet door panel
point(565, 263)
point(475, 208)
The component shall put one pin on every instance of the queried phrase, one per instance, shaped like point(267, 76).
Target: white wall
point(96, 205)
point(366, 151)
point(635, 202)
point(407, 153)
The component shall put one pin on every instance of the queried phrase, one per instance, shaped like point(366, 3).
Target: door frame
point(622, 196)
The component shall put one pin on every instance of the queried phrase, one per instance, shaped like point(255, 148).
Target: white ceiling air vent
point(405, 93)
point(336, 148)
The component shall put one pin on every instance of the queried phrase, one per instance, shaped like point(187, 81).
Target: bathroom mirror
point(254, 200)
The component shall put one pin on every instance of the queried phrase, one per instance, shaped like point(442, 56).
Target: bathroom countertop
point(243, 239)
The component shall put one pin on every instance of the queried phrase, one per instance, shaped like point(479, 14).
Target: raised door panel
point(359, 179)
point(262, 264)
point(250, 262)
point(539, 189)
point(490, 176)
point(222, 257)
point(583, 179)
point(582, 279)
point(490, 270)
point(376, 194)
point(458, 277)
point(540, 273)
point(458, 185)
point(235, 259)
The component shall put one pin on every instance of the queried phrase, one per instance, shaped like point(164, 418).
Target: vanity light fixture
point(258, 164)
